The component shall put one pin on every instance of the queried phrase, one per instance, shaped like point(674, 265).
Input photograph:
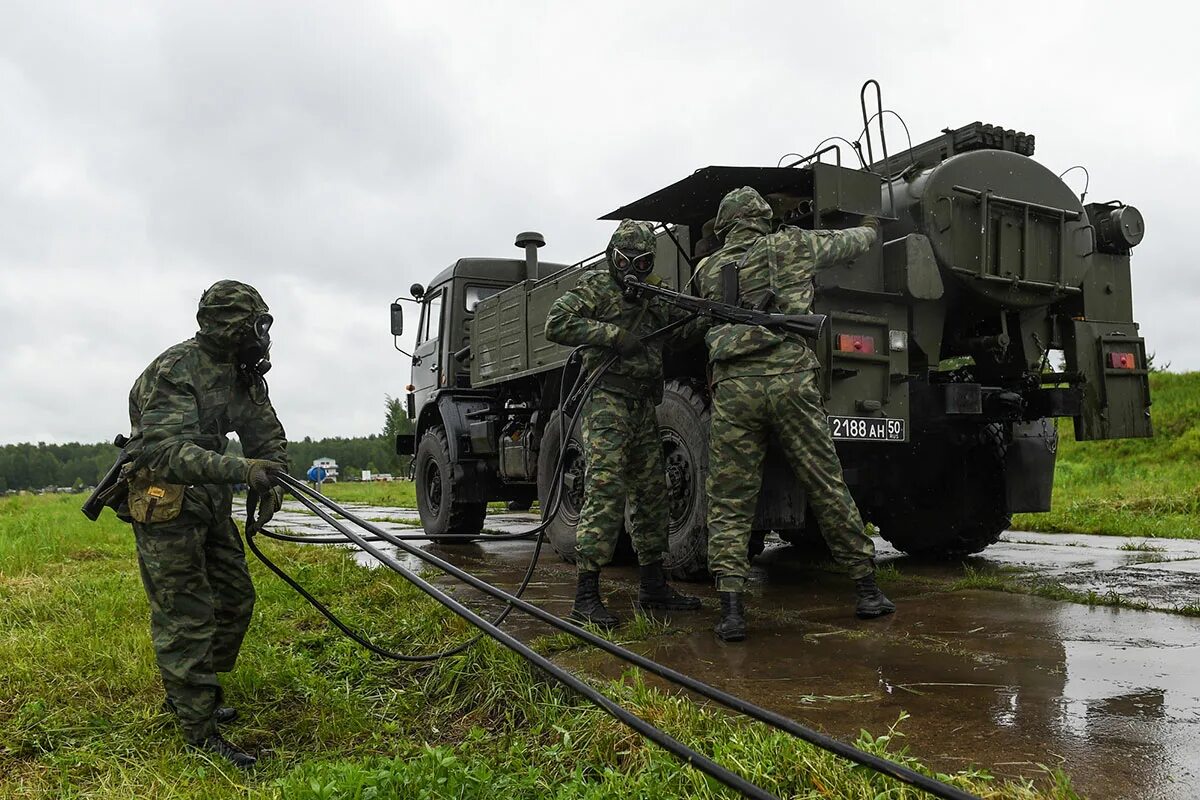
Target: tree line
point(77, 465)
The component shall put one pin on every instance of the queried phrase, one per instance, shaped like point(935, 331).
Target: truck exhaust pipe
point(531, 241)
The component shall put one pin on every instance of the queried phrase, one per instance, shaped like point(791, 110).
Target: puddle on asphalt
point(1004, 681)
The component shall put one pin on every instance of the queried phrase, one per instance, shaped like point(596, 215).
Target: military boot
point(218, 745)
point(588, 605)
point(223, 715)
point(732, 627)
point(871, 601)
point(655, 592)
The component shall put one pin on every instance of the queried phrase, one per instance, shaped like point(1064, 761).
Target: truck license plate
point(867, 429)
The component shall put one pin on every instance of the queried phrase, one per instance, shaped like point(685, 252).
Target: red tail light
point(853, 343)
point(1122, 361)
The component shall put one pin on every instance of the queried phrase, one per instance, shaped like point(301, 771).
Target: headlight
point(897, 341)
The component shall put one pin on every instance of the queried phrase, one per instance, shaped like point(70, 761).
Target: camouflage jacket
point(783, 262)
point(185, 403)
point(595, 312)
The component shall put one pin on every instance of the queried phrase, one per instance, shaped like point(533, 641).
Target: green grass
point(1019, 583)
point(398, 494)
point(1132, 487)
point(79, 710)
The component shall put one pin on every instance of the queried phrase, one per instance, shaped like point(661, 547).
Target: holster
point(152, 500)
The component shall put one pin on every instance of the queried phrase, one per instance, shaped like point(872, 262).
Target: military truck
point(995, 302)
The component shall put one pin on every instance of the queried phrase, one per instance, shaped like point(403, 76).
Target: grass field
point(80, 707)
point(1133, 487)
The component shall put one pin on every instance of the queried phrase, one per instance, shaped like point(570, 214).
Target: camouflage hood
point(743, 209)
point(227, 310)
point(633, 235)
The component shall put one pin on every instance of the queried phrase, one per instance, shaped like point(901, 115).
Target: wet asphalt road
point(1004, 681)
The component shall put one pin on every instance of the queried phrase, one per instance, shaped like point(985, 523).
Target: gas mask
point(254, 349)
point(626, 263)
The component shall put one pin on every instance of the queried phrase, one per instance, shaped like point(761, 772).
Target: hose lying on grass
point(322, 506)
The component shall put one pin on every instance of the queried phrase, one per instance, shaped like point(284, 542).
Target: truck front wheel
point(441, 512)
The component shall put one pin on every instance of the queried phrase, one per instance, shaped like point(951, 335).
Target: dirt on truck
point(995, 302)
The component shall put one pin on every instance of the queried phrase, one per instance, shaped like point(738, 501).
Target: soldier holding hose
point(180, 497)
point(620, 429)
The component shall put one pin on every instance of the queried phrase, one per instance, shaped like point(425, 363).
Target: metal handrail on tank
point(862, 99)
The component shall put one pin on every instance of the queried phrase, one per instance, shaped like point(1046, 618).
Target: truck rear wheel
point(683, 426)
point(561, 528)
point(963, 511)
point(441, 513)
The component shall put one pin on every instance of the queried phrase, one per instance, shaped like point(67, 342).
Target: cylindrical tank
point(1001, 225)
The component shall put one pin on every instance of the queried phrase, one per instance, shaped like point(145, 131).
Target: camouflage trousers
point(746, 412)
point(201, 599)
point(624, 462)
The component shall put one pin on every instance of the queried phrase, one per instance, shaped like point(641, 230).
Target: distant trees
point(37, 466)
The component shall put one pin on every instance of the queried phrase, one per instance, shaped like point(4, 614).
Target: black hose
point(877, 763)
point(654, 734)
point(556, 497)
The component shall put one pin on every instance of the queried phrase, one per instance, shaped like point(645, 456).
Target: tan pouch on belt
point(153, 500)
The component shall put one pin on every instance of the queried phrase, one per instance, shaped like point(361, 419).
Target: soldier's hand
point(870, 222)
point(269, 502)
point(259, 472)
point(627, 344)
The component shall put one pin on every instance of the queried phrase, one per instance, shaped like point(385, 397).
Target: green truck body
point(994, 303)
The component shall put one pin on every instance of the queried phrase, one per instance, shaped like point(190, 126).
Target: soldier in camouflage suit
point(764, 384)
point(620, 429)
point(180, 495)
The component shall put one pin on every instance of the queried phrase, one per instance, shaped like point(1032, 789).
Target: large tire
point(963, 511)
point(441, 512)
point(683, 426)
point(561, 528)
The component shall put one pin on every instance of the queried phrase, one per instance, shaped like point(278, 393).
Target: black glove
point(627, 344)
point(259, 472)
point(268, 503)
point(259, 479)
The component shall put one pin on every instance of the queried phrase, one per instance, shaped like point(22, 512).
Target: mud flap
point(781, 503)
point(1029, 466)
point(1111, 358)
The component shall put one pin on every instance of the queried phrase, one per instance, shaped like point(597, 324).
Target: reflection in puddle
point(1005, 681)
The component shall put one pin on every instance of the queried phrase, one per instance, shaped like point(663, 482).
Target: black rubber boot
point(588, 605)
point(217, 745)
point(222, 716)
point(732, 627)
point(871, 601)
point(655, 592)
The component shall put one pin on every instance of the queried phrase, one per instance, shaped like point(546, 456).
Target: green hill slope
point(1133, 487)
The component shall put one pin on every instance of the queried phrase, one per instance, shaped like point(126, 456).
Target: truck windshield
point(473, 294)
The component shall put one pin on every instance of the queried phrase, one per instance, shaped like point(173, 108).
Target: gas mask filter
point(255, 347)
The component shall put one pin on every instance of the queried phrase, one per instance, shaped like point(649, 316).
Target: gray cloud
point(332, 154)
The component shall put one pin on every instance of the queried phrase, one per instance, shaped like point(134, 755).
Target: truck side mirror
point(397, 319)
point(417, 291)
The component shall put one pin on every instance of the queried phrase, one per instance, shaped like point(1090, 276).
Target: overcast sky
point(333, 153)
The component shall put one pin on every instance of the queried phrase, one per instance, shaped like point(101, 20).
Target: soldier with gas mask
point(620, 430)
point(180, 498)
point(764, 386)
